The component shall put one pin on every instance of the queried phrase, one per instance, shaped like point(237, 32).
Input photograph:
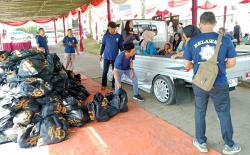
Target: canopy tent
point(23, 10)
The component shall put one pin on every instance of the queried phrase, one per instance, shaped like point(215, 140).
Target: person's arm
point(132, 68)
point(103, 46)
point(231, 62)
point(115, 73)
point(231, 55)
point(188, 57)
point(76, 46)
point(120, 43)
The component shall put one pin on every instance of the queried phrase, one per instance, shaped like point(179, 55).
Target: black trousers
point(237, 36)
point(106, 64)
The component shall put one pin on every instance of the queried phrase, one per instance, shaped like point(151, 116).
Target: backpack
point(208, 70)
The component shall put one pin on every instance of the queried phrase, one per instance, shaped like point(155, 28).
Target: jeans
point(127, 73)
point(106, 64)
point(221, 100)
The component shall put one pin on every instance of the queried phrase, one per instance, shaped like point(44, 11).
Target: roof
point(21, 10)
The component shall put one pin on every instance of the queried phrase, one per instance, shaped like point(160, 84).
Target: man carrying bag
point(209, 54)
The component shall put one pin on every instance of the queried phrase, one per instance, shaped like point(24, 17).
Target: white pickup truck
point(157, 74)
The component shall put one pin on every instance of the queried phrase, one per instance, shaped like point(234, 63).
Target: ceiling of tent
point(19, 10)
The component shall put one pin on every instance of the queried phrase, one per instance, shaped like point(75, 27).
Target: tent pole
point(64, 31)
point(55, 30)
point(225, 16)
point(108, 11)
point(194, 12)
point(80, 31)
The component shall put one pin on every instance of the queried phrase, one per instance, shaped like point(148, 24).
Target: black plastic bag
point(4, 139)
point(30, 137)
point(26, 103)
point(74, 113)
point(53, 130)
point(120, 100)
point(23, 118)
point(6, 117)
point(32, 66)
point(97, 112)
point(35, 87)
point(54, 107)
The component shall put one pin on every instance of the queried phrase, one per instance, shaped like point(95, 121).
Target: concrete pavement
point(181, 114)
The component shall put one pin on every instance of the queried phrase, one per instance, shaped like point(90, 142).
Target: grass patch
point(92, 46)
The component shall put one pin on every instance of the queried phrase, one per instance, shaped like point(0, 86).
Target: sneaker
point(231, 150)
point(201, 147)
point(138, 98)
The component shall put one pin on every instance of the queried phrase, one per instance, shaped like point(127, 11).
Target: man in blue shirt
point(111, 43)
point(124, 65)
point(70, 47)
point(199, 49)
point(42, 42)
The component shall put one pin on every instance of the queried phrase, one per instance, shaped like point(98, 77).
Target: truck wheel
point(164, 89)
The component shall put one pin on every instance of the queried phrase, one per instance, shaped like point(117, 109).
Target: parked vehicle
point(157, 74)
point(19, 35)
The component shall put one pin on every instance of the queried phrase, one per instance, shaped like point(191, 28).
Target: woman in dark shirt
point(128, 34)
point(177, 40)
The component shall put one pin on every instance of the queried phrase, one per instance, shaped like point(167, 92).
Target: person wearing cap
point(70, 48)
point(42, 42)
point(124, 65)
point(111, 43)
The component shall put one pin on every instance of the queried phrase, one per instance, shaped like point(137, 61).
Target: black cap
point(112, 25)
point(128, 46)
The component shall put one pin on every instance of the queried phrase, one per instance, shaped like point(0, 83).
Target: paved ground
point(181, 113)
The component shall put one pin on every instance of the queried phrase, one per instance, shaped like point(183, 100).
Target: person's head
point(129, 25)
point(180, 25)
point(222, 30)
point(41, 31)
point(112, 27)
point(148, 35)
point(246, 35)
point(70, 32)
point(207, 22)
point(236, 23)
point(167, 46)
point(177, 37)
point(129, 49)
point(190, 31)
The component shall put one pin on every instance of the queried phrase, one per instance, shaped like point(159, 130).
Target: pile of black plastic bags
point(40, 100)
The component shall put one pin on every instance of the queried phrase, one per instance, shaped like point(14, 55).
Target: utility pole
point(143, 9)
point(90, 22)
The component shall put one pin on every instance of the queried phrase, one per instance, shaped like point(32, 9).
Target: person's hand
point(41, 49)
point(119, 85)
point(100, 58)
point(174, 56)
point(131, 74)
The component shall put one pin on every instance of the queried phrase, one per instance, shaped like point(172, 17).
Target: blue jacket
point(111, 43)
point(150, 49)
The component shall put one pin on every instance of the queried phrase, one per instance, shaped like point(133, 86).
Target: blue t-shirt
point(69, 43)
point(112, 43)
point(43, 42)
point(150, 49)
point(123, 63)
point(201, 48)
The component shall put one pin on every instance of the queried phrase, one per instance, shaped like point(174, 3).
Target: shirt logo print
point(117, 39)
point(207, 52)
